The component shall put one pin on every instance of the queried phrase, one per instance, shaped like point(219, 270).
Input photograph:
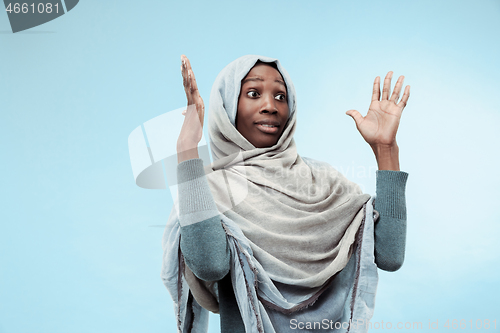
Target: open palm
point(380, 125)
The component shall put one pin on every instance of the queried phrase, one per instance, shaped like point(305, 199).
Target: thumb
point(358, 118)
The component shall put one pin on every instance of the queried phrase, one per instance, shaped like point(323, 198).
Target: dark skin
point(262, 101)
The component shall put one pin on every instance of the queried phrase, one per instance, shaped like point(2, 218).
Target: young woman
point(271, 240)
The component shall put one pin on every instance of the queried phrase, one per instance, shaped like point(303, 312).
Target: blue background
point(80, 243)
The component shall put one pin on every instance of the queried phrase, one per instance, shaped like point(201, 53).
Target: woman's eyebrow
point(280, 81)
point(258, 78)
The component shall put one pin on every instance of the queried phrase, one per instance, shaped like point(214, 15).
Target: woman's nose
point(269, 105)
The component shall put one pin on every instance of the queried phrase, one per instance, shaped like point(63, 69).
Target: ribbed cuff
point(196, 202)
point(390, 200)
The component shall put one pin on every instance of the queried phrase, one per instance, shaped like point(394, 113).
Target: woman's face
point(262, 106)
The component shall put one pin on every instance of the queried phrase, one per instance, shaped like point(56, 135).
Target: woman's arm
point(203, 240)
point(390, 230)
point(379, 128)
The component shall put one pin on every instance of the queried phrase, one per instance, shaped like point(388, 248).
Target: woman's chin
point(265, 143)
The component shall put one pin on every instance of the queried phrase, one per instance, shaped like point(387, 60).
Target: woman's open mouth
point(269, 129)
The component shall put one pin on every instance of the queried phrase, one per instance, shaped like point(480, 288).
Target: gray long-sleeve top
point(206, 251)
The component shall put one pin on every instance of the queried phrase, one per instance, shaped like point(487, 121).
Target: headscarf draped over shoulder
point(292, 225)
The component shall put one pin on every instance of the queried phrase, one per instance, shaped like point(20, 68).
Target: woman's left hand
point(380, 124)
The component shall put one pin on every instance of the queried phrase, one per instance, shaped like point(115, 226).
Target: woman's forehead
point(261, 71)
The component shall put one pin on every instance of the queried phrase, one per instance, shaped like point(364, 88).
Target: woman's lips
point(267, 130)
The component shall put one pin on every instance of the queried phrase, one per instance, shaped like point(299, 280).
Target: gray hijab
point(299, 215)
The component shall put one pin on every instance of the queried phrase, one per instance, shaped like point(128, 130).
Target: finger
point(189, 70)
point(194, 96)
point(376, 89)
point(387, 86)
point(192, 84)
point(184, 71)
point(358, 118)
point(184, 75)
point(405, 97)
point(183, 68)
point(186, 80)
point(193, 89)
point(184, 112)
point(397, 89)
point(186, 61)
point(188, 64)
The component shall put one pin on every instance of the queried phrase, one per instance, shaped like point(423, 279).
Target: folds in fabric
point(346, 301)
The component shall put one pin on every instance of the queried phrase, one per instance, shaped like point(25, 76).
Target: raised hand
point(380, 125)
point(191, 88)
point(192, 128)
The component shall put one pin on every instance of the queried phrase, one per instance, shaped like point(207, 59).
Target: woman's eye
point(280, 97)
point(252, 93)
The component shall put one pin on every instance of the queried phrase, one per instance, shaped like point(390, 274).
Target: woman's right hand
point(192, 128)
